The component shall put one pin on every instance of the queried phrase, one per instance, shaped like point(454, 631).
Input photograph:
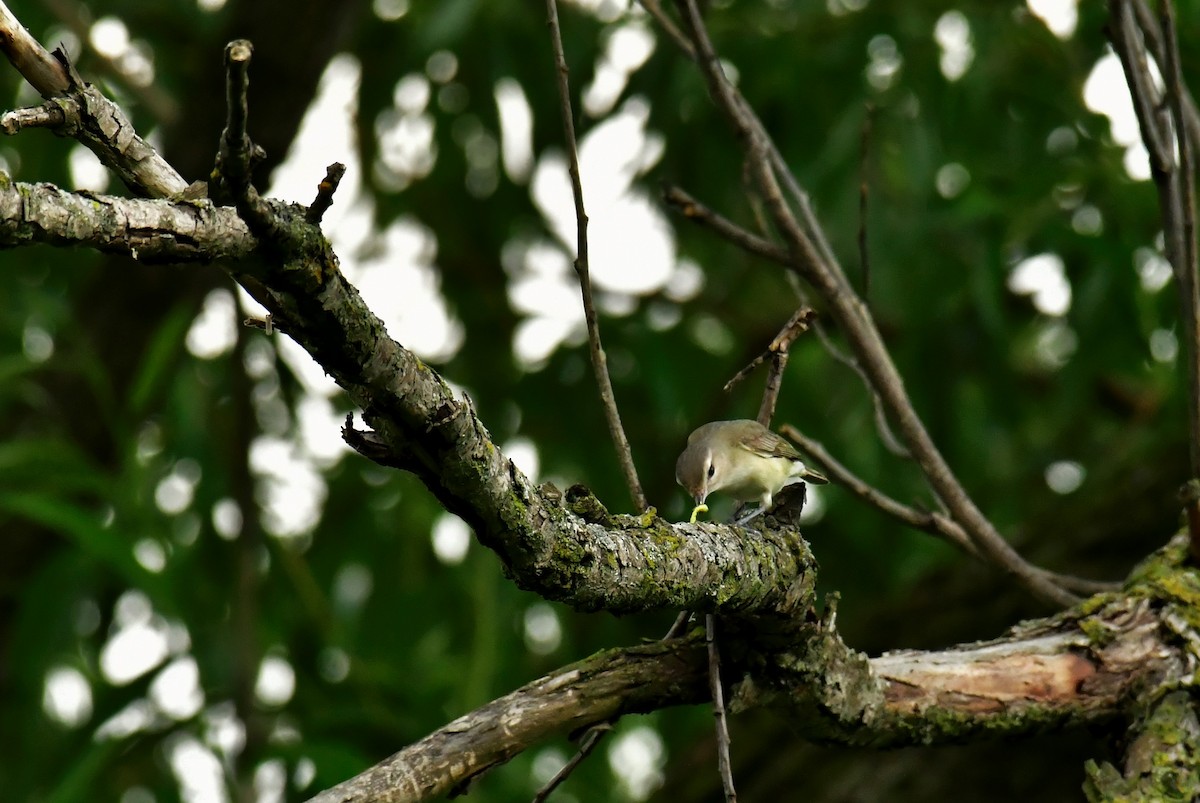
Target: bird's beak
point(699, 498)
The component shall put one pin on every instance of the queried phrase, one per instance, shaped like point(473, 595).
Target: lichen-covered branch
point(152, 231)
point(601, 687)
point(1071, 670)
point(1162, 761)
point(1079, 668)
point(566, 547)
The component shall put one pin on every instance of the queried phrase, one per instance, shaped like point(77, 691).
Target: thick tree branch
point(152, 231)
point(594, 690)
point(1076, 669)
point(566, 547)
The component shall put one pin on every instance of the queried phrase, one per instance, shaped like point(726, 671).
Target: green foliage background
point(88, 434)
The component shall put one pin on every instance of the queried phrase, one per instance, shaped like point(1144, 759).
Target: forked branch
point(806, 257)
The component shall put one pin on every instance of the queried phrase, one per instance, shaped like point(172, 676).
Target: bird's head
point(699, 471)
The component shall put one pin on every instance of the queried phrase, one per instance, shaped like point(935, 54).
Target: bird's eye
point(711, 469)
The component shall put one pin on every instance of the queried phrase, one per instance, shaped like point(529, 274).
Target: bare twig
point(718, 698)
point(797, 325)
point(591, 738)
point(696, 211)
point(237, 155)
point(89, 117)
point(886, 436)
point(49, 115)
point(599, 360)
point(1184, 186)
point(1163, 120)
point(153, 97)
point(669, 27)
point(1153, 117)
point(807, 217)
point(325, 191)
point(246, 585)
point(932, 522)
point(858, 325)
point(777, 352)
point(748, 241)
point(1154, 39)
point(864, 254)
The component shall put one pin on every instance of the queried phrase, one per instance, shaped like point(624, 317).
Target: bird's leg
point(753, 514)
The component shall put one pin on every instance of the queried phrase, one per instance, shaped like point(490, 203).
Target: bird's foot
point(753, 514)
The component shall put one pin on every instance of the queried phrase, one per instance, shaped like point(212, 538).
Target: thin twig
point(718, 697)
point(1153, 117)
point(1162, 121)
point(932, 522)
point(695, 211)
point(246, 583)
point(669, 27)
point(858, 325)
point(1184, 186)
point(1154, 39)
point(89, 117)
point(591, 738)
point(698, 212)
point(797, 325)
point(34, 62)
point(807, 217)
point(599, 360)
point(162, 107)
point(777, 352)
point(325, 191)
point(864, 254)
point(886, 436)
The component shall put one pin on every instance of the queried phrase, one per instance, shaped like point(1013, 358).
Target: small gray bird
point(742, 458)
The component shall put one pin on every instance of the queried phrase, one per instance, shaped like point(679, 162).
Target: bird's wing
point(766, 443)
